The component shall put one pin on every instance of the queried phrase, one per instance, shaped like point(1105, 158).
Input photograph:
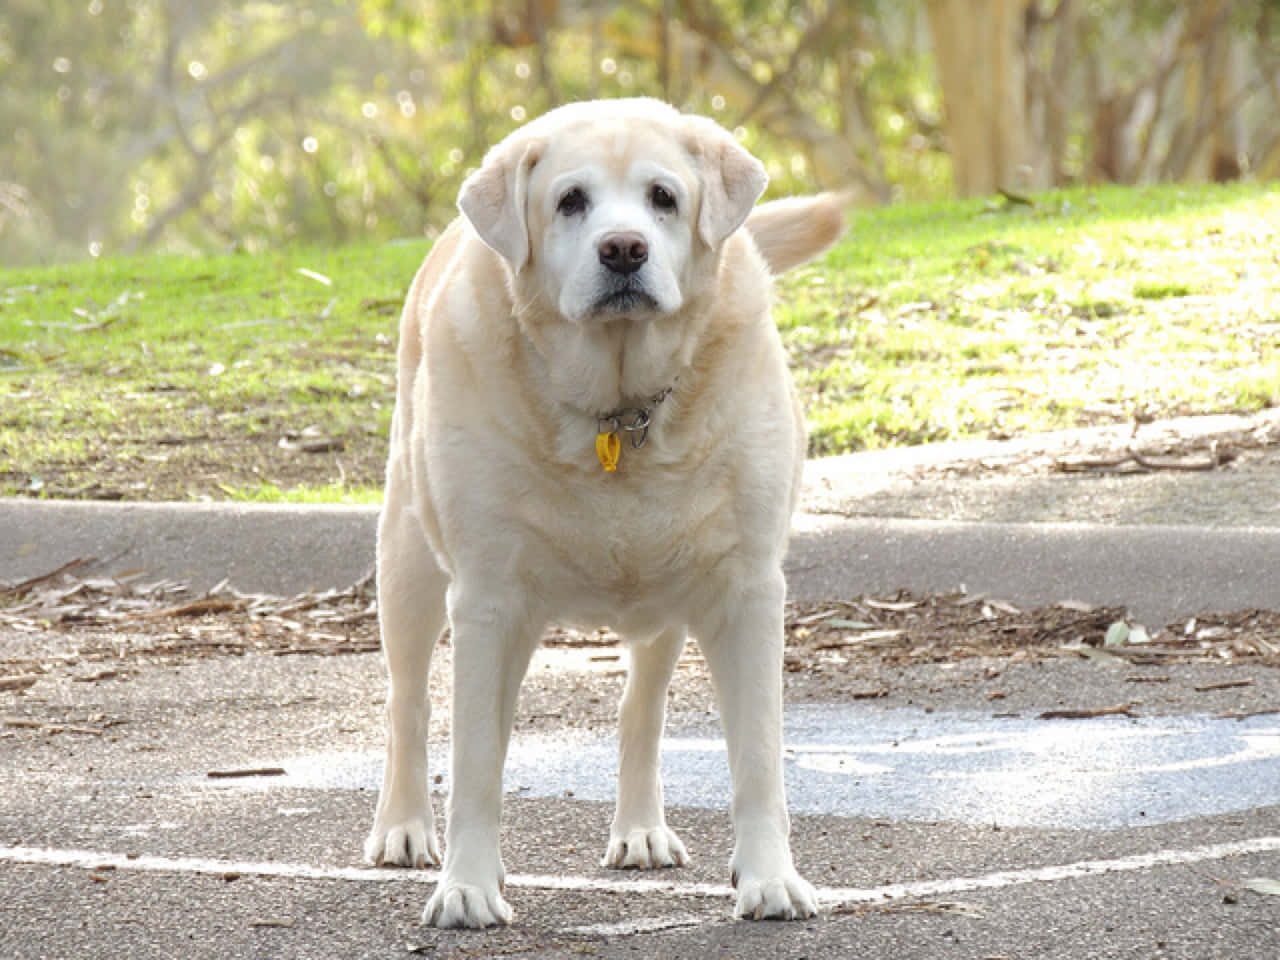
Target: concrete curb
point(258, 548)
point(1159, 573)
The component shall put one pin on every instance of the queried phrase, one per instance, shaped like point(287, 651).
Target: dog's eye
point(573, 202)
point(662, 199)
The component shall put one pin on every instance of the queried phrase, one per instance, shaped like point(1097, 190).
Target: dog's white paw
point(466, 905)
point(645, 849)
point(409, 843)
point(786, 896)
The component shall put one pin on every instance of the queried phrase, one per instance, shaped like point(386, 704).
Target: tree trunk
point(981, 60)
point(1192, 153)
point(1228, 132)
point(1057, 120)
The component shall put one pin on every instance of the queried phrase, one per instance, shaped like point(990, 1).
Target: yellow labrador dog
point(595, 425)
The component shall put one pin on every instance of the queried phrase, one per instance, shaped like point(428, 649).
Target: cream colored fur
point(516, 339)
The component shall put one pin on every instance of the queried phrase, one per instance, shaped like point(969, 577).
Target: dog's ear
point(493, 198)
point(732, 179)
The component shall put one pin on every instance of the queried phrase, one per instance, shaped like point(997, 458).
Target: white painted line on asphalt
point(1051, 874)
point(828, 896)
point(95, 859)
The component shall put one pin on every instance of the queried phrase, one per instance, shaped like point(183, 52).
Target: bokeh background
point(194, 125)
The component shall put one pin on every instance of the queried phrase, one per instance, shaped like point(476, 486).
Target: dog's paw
point(645, 849)
point(470, 905)
point(410, 843)
point(787, 896)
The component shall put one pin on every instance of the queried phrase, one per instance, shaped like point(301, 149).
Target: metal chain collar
point(633, 420)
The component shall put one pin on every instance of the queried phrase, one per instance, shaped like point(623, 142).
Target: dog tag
point(607, 448)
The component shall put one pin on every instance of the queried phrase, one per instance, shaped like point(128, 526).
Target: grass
point(331, 492)
point(205, 370)
point(976, 319)
point(205, 377)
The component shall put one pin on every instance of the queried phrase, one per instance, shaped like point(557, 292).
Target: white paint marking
point(829, 896)
point(1052, 874)
point(93, 859)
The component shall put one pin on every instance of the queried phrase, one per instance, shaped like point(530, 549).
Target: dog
point(595, 425)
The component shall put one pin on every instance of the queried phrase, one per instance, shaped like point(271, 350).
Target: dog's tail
point(791, 231)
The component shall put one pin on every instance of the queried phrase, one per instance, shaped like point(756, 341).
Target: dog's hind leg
point(639, 836)
point(411, 613)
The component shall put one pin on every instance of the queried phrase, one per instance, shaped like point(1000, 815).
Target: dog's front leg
point(639, 837)
point(492, 645)
point(742, 644)
point(411, 611)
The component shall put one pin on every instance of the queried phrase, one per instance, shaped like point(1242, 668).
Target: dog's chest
point(625, 540)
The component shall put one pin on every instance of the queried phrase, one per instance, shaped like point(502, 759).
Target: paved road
point(937, 822)
point(935, 830)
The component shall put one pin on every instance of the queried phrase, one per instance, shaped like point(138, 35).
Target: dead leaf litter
point(109, 621)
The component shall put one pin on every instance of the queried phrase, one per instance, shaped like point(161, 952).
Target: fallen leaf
point(873, 694)
point(1267, 885)
point(1076, 606)
point(1224, 685)
point(812, 618)
point(1121, 709)
point(1117, 634)
point(897, 606)
point(1092, 653)
point(317, 277)
point(248, 772)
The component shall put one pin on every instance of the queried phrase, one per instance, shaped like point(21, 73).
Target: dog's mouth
point(625, 296)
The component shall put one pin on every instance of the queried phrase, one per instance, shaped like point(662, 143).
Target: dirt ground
point(215, 457)
point(210, 459)
point(890, 648)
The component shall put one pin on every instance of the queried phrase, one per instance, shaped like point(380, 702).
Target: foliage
point(203, 125)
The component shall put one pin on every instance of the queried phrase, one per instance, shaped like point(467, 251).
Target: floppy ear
point(493, 199)
point(732, 180)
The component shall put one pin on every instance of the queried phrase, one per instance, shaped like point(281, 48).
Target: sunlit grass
point(973, 318)
point(306, 493)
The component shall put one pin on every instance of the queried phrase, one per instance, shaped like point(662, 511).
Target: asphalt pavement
point(937, 822)
point(939, 829)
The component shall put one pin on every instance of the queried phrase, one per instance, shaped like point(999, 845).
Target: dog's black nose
point(624, 252)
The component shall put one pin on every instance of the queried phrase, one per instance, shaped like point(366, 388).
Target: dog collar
point(632, 420)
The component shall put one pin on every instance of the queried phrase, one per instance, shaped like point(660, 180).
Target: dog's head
point(611, 209)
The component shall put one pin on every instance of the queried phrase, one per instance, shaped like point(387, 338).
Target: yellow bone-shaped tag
point(608, 446)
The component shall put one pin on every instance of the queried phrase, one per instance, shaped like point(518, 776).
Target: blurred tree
point(190, 124)
point(1180, 90)
point(980, 56)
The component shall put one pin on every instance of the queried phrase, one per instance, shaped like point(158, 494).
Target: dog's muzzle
point(624, 293)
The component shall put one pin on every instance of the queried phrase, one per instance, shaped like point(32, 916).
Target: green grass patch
point(1160, 290)
point(333, 492)
point(973, 318)
point(210, 377)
